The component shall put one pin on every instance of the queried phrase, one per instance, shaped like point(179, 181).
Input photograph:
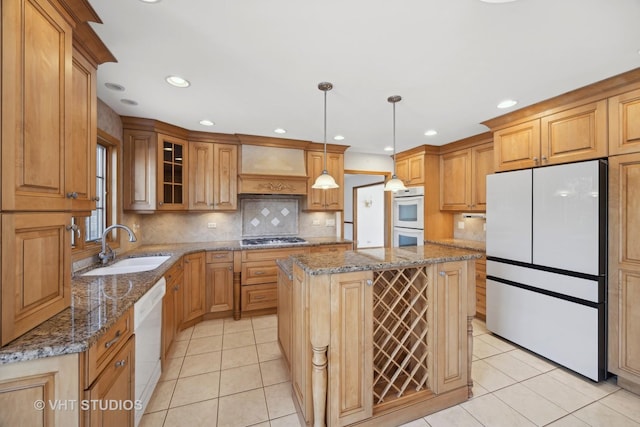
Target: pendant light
point(325, 181)
point(395, 183)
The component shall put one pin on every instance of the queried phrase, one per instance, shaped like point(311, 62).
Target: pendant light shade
point(395, 183)
point(325, 181)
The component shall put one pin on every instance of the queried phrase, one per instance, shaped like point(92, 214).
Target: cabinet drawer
point(219, 256)
point(102, 351)
point(259, 272)
point(331, 248)
point(271, 254)
point(257, 297)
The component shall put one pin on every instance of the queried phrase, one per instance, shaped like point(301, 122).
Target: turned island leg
point(319, 385)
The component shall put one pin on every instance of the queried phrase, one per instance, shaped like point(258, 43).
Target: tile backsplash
point(189, 227)
point(269, 217)
point(474, 228)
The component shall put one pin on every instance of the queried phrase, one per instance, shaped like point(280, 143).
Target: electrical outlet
point(211, 225)
point(330, 223)
point(461, 225)
point(316, 222)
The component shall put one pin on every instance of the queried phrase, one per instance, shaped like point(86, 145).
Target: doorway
point(367, 209)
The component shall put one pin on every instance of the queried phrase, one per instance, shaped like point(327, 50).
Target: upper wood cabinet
point(325, 200)
point(81, 176)
point(624, 123)
point(36, 109)
point(570, 135)
point(172, 184)
point(139, 170)
point(463, 178)
point(411, 169)
point(213, 176)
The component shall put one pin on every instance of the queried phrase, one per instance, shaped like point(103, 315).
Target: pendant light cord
point(394, 139)
point(325, 131)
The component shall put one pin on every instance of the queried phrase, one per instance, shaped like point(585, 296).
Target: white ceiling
point(254, 65)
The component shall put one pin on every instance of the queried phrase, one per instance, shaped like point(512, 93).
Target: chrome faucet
point(107, 253)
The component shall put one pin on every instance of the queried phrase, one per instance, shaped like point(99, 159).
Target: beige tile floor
point(231, 373)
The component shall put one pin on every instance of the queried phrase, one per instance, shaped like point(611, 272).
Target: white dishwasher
point(147, 319)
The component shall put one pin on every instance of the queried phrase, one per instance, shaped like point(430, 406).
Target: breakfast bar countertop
point(474, 245)
point(98, 301)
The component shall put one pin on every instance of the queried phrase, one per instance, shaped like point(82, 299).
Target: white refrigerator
point(546, 262)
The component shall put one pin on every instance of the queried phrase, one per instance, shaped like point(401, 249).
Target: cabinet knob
point(72, 195)
point(535, 160)
point(544, 158)
point(442, 273)
point(369, 282)
point(176, 288)
point(120, 363)
point(96, 198)
point(73, 227)
point(161, 203)
point(229, 268)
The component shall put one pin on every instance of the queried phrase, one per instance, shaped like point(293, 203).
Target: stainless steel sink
point(130, 265)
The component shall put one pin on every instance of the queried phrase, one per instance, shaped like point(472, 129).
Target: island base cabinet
point(52, 381)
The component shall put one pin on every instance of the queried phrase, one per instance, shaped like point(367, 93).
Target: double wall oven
point(408, 217)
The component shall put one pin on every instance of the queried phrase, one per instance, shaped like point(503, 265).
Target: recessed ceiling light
point(114, 86)
point(338, 137)
point(431, 132)
point(177, 81)
point(206, 122)
point(507, 103)
point(494, 1)
point(128, 101)
point(150, 1)
point(388, 148)
point(280, 130)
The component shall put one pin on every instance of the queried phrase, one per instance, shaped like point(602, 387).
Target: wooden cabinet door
point(201, 176)
point(36, 270)
point(301, 356)
point(168, 321)
point(48, 379)
point(81, 175)
point(225, 177)
point(450, 302)
point(139, 170)
point(481, 166)
point(517, 147)
point(219, 290)
point(36, 106)
point(334, 197)
point(315, 166)
point(172, 180)
point(624, 123)
point(351, 349)
point(624, 268)
point(416, 169)
point(576, 134)
point(115, 384)
point(194, 286)
point(455, 180)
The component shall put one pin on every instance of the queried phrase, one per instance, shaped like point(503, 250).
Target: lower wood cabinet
point(285, 326)
point(112, 395)
point(50, 379)
point(194, 287)
point(36, 270)
point(172, 307)
point(219, 282)
point(481, 288)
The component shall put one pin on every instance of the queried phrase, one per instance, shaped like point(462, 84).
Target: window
point(87, 241)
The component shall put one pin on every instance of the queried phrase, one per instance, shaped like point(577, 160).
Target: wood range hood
point(276, 165)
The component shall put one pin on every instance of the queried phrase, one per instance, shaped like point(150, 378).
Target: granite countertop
point(474, 245)
point(98, 301)
point(286, 265)
point(381, 258)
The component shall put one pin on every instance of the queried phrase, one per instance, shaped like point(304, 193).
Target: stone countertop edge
point(474, 245)
point(286, 266)
point(92, 312)
point(381, 259)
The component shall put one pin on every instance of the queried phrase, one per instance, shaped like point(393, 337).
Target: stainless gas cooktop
point(272, 241)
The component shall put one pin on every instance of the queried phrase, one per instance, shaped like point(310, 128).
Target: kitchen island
point(381, 336)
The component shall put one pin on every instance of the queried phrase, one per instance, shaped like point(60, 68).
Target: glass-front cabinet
point(172, 173)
